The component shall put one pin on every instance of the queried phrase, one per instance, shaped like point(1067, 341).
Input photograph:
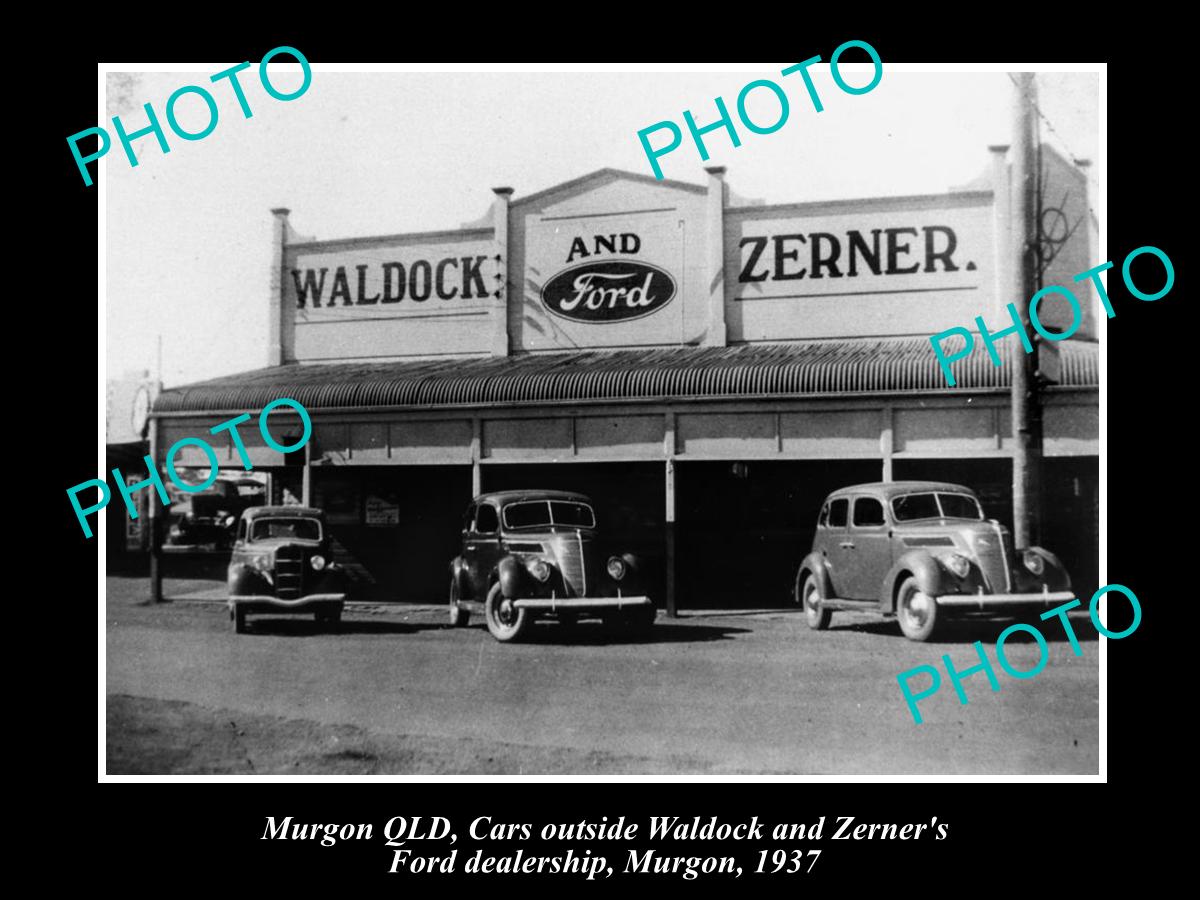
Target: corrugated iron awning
point(808, 369)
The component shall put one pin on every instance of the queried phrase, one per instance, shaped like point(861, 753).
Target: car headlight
point(1034, 562)
point(229, 520)
point(538, 568)
point(317, 562)
point(616, 568)
point(957, 563)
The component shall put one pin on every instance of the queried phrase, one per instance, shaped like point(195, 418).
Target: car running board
point(836, 603)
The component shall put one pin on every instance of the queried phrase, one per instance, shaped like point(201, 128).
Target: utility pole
point(1026, 415)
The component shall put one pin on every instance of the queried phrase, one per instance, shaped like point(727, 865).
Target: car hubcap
point(919, 606)
point(810, 602)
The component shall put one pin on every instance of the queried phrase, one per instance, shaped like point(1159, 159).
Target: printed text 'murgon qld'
point(447, 279)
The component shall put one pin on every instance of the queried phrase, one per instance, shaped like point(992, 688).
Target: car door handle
point(847, 545)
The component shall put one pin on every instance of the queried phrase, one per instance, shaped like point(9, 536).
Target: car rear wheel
point(916, 611)
point(815, 614)
point(505, 621)
point(459, 617)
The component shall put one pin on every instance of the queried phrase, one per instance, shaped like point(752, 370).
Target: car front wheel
point(459, 617)
point(916, 611)
point(815, 614)
point(505, 621)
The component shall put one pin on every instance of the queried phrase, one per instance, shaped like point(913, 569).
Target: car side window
point(868, 512)
point(823, 520)
point(487, 520)
point(241, 531)
point(837, 512)
point(469, 518)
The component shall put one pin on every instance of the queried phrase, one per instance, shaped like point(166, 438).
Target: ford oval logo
point(612, 291)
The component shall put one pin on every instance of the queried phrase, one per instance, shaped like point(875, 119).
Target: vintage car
point(921, 551)
point(537, 553)
point(207, 519)
point(282, 562)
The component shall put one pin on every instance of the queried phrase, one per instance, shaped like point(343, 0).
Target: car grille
point(572, 552)
point(289, 573)
point(994, 550)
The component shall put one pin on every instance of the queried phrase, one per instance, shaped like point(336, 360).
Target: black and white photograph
point(685, 422)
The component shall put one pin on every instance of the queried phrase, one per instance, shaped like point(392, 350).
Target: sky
point(188, 234)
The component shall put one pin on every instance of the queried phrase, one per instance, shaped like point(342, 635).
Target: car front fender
point(814, 564)
point(458, 567)
point(511, 575)
point(932, 579)
point(244, 581)
point(1055, 573)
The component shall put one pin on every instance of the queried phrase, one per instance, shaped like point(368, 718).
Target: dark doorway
point(1071, 518)
point(744, 527)
point(396, 528)
point(629, 498)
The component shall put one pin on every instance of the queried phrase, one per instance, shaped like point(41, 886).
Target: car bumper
point(992, 601)
point(265, 602)
point(554, 604)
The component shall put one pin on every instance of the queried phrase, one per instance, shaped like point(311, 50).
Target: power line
point(1041, 115)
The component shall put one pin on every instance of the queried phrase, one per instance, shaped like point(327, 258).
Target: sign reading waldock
point(385, 297)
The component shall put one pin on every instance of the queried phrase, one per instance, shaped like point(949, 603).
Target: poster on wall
point(382, 511)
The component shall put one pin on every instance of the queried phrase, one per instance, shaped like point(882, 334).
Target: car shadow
point(595, 634)
point(294, 627)
point(960, 631)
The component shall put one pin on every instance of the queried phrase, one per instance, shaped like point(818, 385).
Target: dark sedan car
point(282, 562)
point(920, 550)
point(533, 553)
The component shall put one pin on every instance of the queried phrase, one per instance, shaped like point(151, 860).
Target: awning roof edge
point(807, 369)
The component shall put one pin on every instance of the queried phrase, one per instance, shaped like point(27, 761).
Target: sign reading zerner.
point(902, 263)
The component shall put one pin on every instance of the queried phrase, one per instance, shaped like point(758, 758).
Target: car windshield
point(544, 513)
point(297, 529)
point(936, 506)
point(960, 506)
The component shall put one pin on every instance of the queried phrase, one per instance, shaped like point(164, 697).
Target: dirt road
point(401, 692)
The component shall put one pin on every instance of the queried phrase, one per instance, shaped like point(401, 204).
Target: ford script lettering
point(603, 292)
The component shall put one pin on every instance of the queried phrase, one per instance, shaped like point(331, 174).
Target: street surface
point(398, 691)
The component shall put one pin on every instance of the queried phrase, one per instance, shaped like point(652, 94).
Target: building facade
point(707, 369)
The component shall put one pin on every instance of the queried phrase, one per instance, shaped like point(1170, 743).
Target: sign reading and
point(608, 290)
